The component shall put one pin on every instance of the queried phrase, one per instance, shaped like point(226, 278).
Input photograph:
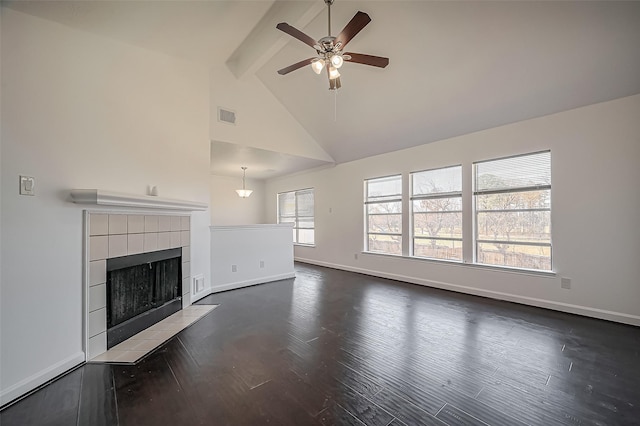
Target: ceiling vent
point(226, 116)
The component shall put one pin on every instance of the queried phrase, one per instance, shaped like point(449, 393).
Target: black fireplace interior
point(142, 289)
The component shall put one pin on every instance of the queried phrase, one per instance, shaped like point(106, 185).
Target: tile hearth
point(136, 347)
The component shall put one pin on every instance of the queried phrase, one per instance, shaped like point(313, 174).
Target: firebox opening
point(142, 290)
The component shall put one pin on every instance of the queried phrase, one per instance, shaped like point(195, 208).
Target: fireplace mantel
point(100, 197)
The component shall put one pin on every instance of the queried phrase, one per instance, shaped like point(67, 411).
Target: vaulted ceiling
point(455, 67)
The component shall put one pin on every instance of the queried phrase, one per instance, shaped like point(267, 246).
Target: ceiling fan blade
point(355, 25)
point(294, 32)
point(360, 58)
point(295, 66)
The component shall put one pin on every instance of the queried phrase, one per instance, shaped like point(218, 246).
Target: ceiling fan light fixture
point(336, 60)
point(335, 84)
point(317, 65)
point(333, 72)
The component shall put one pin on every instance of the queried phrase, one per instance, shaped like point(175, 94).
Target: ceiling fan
point(330, 49)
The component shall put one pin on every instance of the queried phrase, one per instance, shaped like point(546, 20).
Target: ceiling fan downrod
point(329, 3)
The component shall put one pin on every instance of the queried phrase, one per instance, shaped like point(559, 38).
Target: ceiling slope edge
point(264, 41)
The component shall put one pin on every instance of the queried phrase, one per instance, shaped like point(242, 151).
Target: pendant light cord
point(244, 175)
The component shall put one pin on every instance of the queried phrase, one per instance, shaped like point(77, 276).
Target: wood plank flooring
point(339, 348)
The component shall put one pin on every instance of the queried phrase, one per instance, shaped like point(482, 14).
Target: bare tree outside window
point(513, 211)
point(383, 214)
point(436, 208)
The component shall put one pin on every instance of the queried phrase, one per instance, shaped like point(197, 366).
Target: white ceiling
point(199, 31)
point(459, 67)
point(455, 67)
point(261, 163)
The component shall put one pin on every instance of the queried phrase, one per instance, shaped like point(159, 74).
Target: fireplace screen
point(141, 290)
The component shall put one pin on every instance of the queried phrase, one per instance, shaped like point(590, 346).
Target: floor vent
point(198, 284)
point(226, 116)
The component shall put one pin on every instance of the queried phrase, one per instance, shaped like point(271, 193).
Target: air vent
point(226, 116)
point(198, 283)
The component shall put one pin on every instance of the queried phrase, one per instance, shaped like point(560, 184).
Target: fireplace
point(141, 290)
point(114, 236)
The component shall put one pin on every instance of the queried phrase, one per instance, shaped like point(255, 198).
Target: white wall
point(80, 111)
point(1, 125)
point(250, 254)
point(229, 209)
point(262, 121)
point(595, 152)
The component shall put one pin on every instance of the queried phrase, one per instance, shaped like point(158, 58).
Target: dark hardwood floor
point(333, 347)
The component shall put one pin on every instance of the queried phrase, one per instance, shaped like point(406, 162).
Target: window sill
point(304, 245)
point(455, 263)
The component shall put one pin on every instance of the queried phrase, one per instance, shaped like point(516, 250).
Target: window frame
point(515, 190)
point(296, 217)
point(440, 195)
point(393, 198)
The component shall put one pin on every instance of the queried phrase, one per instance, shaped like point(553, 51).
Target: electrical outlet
point(262, 263)
point(565, 283)
point(355, 256)
point(234, 268)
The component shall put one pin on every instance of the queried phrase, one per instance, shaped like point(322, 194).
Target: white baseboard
point(40, 378)
point(509, 297)
point(200, 295)
point(245, 283)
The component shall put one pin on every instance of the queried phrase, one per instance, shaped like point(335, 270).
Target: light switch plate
point(27, 185)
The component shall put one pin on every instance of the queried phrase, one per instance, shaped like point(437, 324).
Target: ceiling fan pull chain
point(335, 105)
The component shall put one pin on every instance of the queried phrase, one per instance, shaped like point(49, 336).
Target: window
point(383, 213)
point(436, 213)
point(297, 207)
point(513, 211)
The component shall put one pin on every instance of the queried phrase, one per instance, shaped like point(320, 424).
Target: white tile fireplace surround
point(116, 234)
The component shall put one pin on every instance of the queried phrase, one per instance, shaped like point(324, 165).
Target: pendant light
point(244, 192)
